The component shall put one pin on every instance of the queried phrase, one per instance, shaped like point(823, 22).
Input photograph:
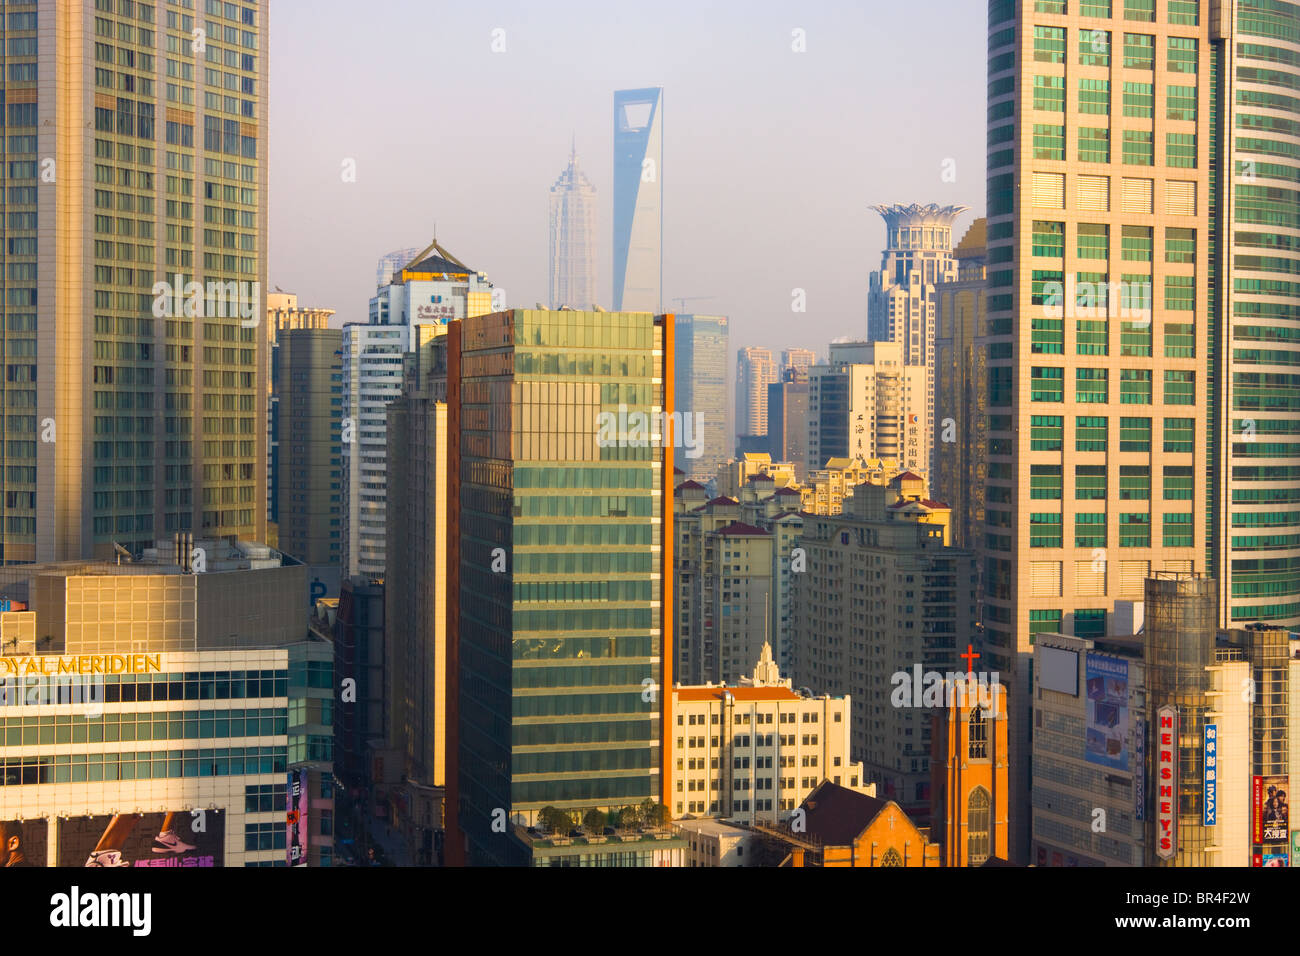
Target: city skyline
point(817, 186)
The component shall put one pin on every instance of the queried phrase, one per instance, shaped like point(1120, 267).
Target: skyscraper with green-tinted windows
point(134, 166)
point(561, 543)
point(1143, 314)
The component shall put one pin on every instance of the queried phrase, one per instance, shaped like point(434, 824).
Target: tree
point(594, 820)
point(555, 820)
point(629, 818)
point(653, 814)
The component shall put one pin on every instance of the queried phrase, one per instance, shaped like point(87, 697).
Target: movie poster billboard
point(184, 838)
point(1271, 815)
point(23, 842)
point(1107, 728)
point(296, 838)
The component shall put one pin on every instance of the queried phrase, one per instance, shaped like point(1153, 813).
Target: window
point(1180, 293)
point(1045, 482)
point(1046, 433)
point(1135, 531)
point(1090, 386)
point(1142, 10)
point(1045, 530)
point(1049, 238)
point(1182, 55)
point(1090, 622)
point(977, 747)
point(1043, 621)
point(1090, 529)
point(1180, 150)
point(1094, 47)
point(1090, 433)
point(1090, 482)
point(1180, 245)
point(1094, 144)
point(1139, 147)
point(1093, 241)
point(977, 827)
point(1179, 436)
point(1180, 387)
point(1180, 103)
point(1049, 93)
point(1047, 384)
point(1185, 12)
point(1134, 482)
point(891, 858)
point(1135, 386)
point(1178, 482)
point(1135, 434)
point(1049, 44)
point(1094, 96)
point(1049, 141)
point(1139, 51)
point(1177, 530)
point(1139, 100)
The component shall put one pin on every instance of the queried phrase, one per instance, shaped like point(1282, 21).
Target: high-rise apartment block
point(134, 385)
point(559, 569)
point(755, 371)
point(881, 596)
point(867, 403)
point(702, 353)
point(723, 587)
point(573, 238)
point(638, 200)
point(1139, 361)
point(423, 297)
point(798, 359)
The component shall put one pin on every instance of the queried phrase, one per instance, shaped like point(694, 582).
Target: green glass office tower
point(557, 638)
point(1143, 242)
point(134, 165)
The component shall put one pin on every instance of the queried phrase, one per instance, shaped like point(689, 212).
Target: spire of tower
point(573, 149)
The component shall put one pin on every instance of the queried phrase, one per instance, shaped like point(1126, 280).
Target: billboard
point(1107, 728)
point(1210, 781)
point(178, 838)
point(23, 842)
point(296, 820)
point(1139, 769)
point(1166, 782)
point(1270, 813)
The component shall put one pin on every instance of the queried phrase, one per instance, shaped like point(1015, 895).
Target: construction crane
point(682, 300)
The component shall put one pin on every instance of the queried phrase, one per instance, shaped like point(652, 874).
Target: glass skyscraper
point(638, 200)
point(561, 559)
point(135, 404)
point(702, 355)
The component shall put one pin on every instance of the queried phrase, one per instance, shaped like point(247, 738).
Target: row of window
point(144, 765)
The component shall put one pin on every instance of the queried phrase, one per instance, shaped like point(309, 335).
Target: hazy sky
point(771, 156)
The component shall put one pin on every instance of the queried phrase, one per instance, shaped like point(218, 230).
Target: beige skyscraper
point(135, 167)
point(755, 371)
point(866, 403)
point(1142, 401)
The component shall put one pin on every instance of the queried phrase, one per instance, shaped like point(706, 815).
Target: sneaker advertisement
point(185, 838)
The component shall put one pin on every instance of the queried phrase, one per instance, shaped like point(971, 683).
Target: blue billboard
point(1107, 727)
